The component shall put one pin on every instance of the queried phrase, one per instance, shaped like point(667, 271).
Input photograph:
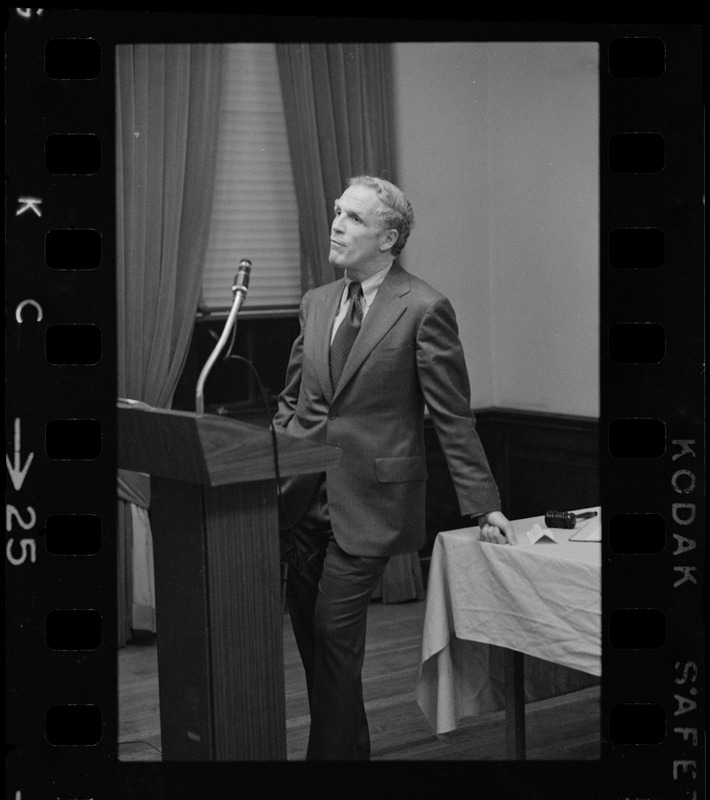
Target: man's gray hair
point(397, 214)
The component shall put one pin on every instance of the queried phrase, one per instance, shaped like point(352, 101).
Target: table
point(488, 606)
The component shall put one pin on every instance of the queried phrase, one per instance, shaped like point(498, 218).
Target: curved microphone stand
point(240, 292)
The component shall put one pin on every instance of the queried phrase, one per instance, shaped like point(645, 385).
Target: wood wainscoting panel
point(541, 461)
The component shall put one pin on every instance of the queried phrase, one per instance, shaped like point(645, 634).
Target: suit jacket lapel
point(386, 309)
point(325, 312)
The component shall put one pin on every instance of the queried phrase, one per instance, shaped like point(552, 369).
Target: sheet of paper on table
point(591, 532)
point(536, 533)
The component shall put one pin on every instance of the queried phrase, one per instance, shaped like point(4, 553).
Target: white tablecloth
point(542, 599)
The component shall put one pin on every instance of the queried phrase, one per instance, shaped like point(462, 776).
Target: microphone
point(241, 279)
point(565, 519)
point(239, 293)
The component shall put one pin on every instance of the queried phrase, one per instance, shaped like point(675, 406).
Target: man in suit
point(374, 348)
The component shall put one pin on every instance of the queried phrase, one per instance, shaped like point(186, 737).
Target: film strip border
point(652, 421)
point(60, 430)
point(61, 389)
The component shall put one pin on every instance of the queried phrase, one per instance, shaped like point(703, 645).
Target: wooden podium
point(219, 614)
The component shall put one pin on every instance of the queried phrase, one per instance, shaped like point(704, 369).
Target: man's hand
point(496, 528)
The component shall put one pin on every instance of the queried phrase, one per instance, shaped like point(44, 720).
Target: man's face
point(357, 241)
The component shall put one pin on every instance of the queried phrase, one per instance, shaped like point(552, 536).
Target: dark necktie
point(346, 333)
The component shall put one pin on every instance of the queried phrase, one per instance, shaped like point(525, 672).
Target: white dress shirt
point(369, 291)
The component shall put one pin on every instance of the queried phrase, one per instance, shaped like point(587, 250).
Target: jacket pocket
point(400, 354)
point(397, 470)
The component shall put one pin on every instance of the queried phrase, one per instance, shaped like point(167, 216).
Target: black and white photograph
point(354, 406)
point(437, 566)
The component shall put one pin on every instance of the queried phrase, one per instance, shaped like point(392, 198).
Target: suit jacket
point(407, 354)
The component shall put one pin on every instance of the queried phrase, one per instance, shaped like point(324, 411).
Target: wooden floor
point(561, 728)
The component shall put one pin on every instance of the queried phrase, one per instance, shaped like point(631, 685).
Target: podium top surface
point(209, 449)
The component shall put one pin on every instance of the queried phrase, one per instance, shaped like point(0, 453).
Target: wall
point(498, 147)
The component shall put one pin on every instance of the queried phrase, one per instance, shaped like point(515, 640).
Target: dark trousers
point(328, 593)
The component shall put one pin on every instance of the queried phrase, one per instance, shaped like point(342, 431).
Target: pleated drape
point(339, 116)
point(167, 108)
point(337, 101)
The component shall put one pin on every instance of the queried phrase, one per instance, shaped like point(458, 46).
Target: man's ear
point(389, 239)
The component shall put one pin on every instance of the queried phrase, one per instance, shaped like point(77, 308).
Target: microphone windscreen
point(241, 279)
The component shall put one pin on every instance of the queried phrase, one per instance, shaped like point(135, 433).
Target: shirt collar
point(370, 285)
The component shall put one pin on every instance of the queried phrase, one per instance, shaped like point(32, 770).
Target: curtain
point(338, 107)
point(337, 101)
point(167, 108)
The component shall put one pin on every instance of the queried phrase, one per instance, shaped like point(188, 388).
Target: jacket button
point(332, 415)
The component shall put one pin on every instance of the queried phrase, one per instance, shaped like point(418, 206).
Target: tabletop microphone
point(565, 519)
point(241, 279)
